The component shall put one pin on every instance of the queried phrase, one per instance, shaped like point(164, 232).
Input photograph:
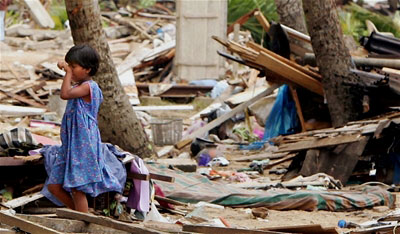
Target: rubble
point(219, 167)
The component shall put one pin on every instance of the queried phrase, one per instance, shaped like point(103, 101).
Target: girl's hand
point(63, 66)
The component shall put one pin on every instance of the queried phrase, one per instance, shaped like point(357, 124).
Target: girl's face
point(79, 73)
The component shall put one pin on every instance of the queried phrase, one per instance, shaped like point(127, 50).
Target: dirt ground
point(242, 218)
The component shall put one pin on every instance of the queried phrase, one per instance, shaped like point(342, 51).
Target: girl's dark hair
point(85, 56)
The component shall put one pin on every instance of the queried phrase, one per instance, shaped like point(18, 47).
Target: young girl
point(80, 168)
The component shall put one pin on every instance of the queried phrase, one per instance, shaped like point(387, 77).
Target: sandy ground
point(242, 217)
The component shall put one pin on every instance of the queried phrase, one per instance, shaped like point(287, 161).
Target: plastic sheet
point(281, 121)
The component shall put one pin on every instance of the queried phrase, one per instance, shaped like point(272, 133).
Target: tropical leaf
point(238, 8)
point(383, 23)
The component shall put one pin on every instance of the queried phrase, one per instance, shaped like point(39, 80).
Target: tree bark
point(117, 120)
point(333, 60)
point(291, 14)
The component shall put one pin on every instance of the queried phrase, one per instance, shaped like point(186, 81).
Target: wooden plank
point(7, 231)
point(130, 23)
point(245, 95)
point(261, 156)
point(24, 100)
point(308, 228)
point(290, 73)
point(10, 161)
point(20, 201)
point(34, 96)
point(162, 177)
point(53, 67)
point(259, 48)
point(279, 161)
point(340, 165)
point(296, 34)
point(25, 225)
point(298, 107)
point(262, 20)
point(68, 225)
point(138, 176)
point(193, 32)
point(318, 143)
point(222, 230)
point(166, 107)
point(171, 201)
point(164, 151)
point(164, 227)
point(221, 119)
point(101, 220)
point(153, 176)
point(241, 20)
point(39, 13)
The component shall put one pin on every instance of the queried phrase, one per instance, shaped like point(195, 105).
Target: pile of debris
point(225, 157)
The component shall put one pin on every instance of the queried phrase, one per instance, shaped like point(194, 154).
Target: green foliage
point(146, 3)
point(245, 134)
point(59, 14)
point(382, 23)
point(351, 25)
point(106, 212)
point(13, 17)
point(238, 8)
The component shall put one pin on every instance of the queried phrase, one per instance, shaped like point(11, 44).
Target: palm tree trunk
point(291, 14)
point(333, 60)
point(117, 120)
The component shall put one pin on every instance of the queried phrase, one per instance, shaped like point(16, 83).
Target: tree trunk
point(291, 14)
point(117, 120)
point(333, 60)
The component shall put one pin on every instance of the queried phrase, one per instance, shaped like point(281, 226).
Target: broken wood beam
point(295, 97)
point(222, 230)
point(260, 156)
point(279, 161)
point(216, 122)
point(318, 143)
point(170, 201)
point(138, 176)
point(24, 100)
point(25, 225)
point(309, 228)
point(104, 221)
point(131, 24)
point(262, 20)
point(290, 73)
point(34, 189)
point(290, 31)
point(259, 48)
point(153, 176)
point(180, 89)
point(240, 21)
point(20, 201)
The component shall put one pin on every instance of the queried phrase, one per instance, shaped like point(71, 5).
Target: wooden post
point(25, 225)
point(236, 29)
point(293, 91)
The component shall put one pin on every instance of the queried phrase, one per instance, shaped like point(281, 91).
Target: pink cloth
point(139, 196)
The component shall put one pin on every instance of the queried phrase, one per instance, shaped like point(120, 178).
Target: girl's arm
point(67, 91)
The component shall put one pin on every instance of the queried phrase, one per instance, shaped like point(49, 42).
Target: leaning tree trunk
point(117, 120)
point(291, 14)
point(333, 60)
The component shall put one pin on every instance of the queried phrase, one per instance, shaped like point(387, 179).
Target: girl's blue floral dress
point(80, 161)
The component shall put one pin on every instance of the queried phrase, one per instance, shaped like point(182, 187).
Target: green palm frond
point(382, 23)
point(238, 8)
